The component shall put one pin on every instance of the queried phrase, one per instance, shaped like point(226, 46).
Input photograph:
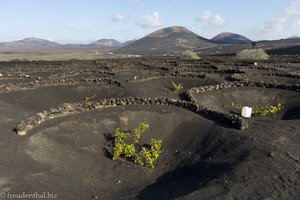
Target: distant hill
point(165, 41)
point(293, 37)
point(28, 43)
point(278, 43)
point(231, 38)
point(106, 43)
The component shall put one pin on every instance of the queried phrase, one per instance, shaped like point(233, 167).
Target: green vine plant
point(176, 86)
point(267, 110)
point(134, 152)
point(260, 111)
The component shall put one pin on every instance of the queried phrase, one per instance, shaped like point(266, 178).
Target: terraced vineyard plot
point(57, 120)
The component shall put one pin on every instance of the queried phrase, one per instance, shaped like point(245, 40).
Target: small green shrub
point(260, 110)
point(134, 152)
point(267, 110)
point(190, 55)
point(252, 55)
point(176, 86)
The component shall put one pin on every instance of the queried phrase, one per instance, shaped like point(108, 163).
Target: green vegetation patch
point(145, 155)
point(260, 111)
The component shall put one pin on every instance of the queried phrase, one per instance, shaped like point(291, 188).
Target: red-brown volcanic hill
point(164, 41)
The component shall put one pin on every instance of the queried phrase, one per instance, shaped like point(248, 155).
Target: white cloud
point(210, 24)
point(206, 15)
point(218, 21)
point(118, 17)
point(150, 20)
point(293, 9)
point(211, 20)
point(284, 21)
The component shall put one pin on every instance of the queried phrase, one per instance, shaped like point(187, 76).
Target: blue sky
point(84, 21)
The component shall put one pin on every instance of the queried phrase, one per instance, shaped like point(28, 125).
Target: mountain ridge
point(29, 42)
point(166, 41)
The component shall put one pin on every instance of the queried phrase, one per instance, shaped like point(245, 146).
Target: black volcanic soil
point(201, 158)
point(252, 97)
